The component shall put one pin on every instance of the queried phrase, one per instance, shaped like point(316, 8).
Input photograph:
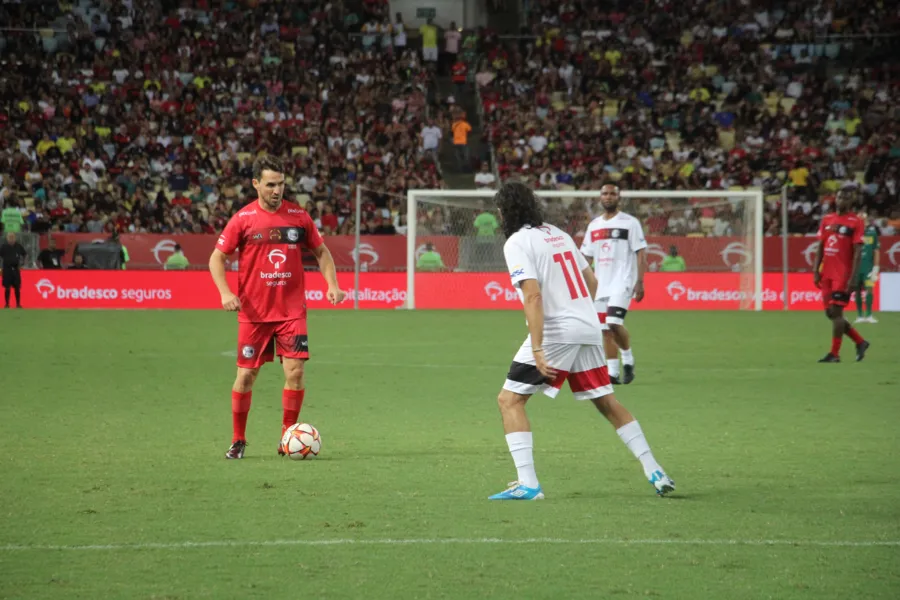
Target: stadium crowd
point(698, 95)
point(146, 115)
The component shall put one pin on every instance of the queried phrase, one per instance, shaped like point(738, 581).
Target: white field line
point(456, 541)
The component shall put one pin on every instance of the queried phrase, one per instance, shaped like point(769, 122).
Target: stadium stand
point(688, 95)
point(146, 115)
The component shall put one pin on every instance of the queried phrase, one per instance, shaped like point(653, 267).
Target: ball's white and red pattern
point(301, 441)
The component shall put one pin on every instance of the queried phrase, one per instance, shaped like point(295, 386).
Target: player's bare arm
point(533, 302)
point(641, 269)
point(817, 264)
point(217, 261)
point(326, 265)
point(591, 280)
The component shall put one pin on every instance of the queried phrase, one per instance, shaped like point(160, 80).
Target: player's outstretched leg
point(292, 395)
point(241, 396)
point(521, 447)
point(623, 342)
point(632, 436)
point(612, 356)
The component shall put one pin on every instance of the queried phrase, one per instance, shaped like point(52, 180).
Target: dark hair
point(266, 162)
point(518, 207)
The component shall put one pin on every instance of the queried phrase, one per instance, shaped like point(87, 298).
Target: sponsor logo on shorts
point(248, 351)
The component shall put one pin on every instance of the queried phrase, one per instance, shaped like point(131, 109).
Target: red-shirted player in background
point(837, 261)
point(271, 301)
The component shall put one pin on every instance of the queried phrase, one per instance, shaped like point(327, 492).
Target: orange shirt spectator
point(461, 130)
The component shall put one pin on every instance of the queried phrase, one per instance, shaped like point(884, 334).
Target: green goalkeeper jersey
point(870, 247)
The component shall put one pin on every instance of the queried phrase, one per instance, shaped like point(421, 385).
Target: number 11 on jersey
point(567, 257)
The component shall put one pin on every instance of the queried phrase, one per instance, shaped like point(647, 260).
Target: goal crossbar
point(755, 197)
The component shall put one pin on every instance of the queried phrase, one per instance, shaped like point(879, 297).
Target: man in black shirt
point(12, 253)
point(51, 256)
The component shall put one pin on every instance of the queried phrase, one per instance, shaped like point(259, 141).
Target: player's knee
point(507, 400)
point(245, 378)
point(293, 375)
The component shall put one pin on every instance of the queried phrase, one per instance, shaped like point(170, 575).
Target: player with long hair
point(565, 341)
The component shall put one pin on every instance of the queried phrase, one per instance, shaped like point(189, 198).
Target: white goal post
point(748, 204)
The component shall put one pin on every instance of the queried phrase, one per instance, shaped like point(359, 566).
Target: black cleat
point(614, 379)
point(628, 372)
point(236, 450)
point(830, 358)
point(281, 451)
point(861, 350)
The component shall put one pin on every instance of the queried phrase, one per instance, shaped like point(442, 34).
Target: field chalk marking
point(450, 541)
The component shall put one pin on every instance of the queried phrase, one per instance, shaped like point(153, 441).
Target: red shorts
point(259, 342)
point(835, 290)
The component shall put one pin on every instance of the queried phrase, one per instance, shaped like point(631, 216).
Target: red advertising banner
point(388, 253)
point(195, 290)
point(663, 291)
point(183, 290)
point(379, 253)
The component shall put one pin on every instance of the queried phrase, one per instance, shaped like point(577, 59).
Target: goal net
point(455, 244)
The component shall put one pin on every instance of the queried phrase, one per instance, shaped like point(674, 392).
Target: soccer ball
point(301, 441)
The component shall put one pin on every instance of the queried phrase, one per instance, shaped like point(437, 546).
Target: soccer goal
point(454, 254)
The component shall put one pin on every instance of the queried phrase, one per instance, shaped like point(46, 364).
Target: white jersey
point(550, 256)
point(613, 244)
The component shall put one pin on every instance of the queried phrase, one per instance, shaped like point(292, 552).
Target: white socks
point(521, 447)
point(627, 357)
point(613, 367)
point(633, 437)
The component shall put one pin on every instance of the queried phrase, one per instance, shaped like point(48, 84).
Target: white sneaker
point(871, 320)
point(861, 320)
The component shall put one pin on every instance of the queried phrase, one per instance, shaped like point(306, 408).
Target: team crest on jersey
point(293, 235)
point(275, 235)
point(842, 230)
point(614, 233)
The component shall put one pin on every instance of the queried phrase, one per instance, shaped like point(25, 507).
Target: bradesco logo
point(48, 291)
point(678, 291)
point(496, 291)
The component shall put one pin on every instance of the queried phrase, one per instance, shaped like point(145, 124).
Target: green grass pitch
point(113, 482)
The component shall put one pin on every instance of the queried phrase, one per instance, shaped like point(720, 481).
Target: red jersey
point(270, 277)
point(838, 234)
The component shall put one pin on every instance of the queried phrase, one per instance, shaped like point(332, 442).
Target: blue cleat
point(517, 491)
point(661, 482)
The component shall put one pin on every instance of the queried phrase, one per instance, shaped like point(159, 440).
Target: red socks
point(240, 408)
point(291, 402)
point(854, 335)
point(836, 346)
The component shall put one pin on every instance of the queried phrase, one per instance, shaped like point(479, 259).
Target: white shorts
point(430, 54)
point(612, 309)
point(583, 366)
